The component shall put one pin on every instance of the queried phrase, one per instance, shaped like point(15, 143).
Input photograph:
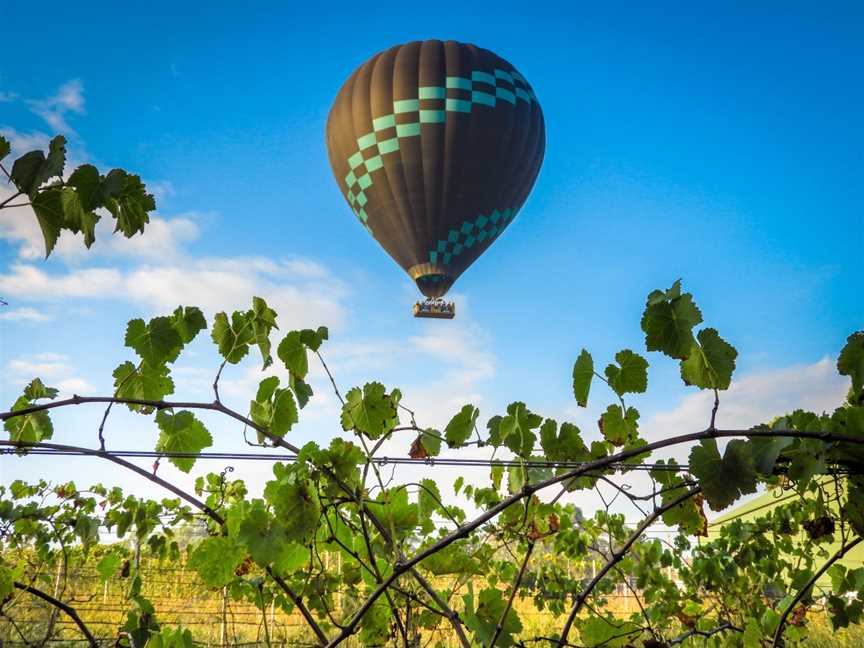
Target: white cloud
point(46, 369)
point(23, 142)
point(163, 238)
point(51, 357)
point(7, 96)
point(30, 282)
point(212, 283)
point(26, 314)
point(51, 368)
point(69, 99)
point(753, 399)
point(79, 386)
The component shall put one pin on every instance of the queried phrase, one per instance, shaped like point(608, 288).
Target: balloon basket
point(435, 309)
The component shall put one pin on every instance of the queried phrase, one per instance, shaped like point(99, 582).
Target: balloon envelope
point(436, 146)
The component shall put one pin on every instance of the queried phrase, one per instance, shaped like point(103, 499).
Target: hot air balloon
point(436, 146)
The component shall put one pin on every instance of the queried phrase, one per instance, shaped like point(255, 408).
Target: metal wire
point(381, 461)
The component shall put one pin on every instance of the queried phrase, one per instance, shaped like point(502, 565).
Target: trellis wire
point(381, 461)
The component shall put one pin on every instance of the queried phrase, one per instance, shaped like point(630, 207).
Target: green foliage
point(723, 479)
point(515, 430)
point(687, 516)
point(234, 336)
point(371, 411)
point(607, 631)
point(583, 373)
point(851, 360)
point(156, 342)
point(482, 619)
point(710, 363)
point(73, 205)
point(333, 524)
point(629, 376)
point(216, 559)
point(461, 427)
point(142, 383)
point(183, 433)
point(273, 408)
point(668, 322)
point(36, 426)
point(619, 428)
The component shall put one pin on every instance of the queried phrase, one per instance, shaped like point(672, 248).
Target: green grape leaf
point(428, 499)
point(170, 638)
point(302, 390)
point(25, 173)
point(232, 338)
point(461, 426)
point(294, 502)
point(142, 383)
point(292, 352)
point(808, 459)
point(607, 632)
point(314, 339)
point(766, 450)
point(689, 515)
point(375, 626)
point(725, 479)
point(258, 532)
point(711, 362)
point(395, 511)
point(263, 320)
point(273, 409)
point(853, 509)
point(36, 426)
point(29, 428)
point(483, 619)
point(427, 444)
point(75, 217)
point(48, 207)
point(157, 342)
point(7, 578)
point(87, 183)
point(188, 321)
point(668, 322)
point(851, 360)
point(216, 559)
point(5, 147)
point(181, 432)
point(453, 559)
point(516, 430)
point(54, 163)
point(108, 566)
point(617, 427)
point(36, 390)
point(371, 411)
point(496, 473)
point(563, 445)
point(631, 374)
point(583, 373)
point(126, 197)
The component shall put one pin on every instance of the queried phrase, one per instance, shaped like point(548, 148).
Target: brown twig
point(778, 633)
point(60, 605)
point(617, 556)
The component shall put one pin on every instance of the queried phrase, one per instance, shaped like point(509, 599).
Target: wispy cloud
point(214, 284)
point(754, 398)
point(52, 368)
point(68, 99)
point(26, 314)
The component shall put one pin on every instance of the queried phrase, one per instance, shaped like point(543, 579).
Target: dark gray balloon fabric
point(436, 145)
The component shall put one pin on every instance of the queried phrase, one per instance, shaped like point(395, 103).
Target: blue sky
point(719, 145)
